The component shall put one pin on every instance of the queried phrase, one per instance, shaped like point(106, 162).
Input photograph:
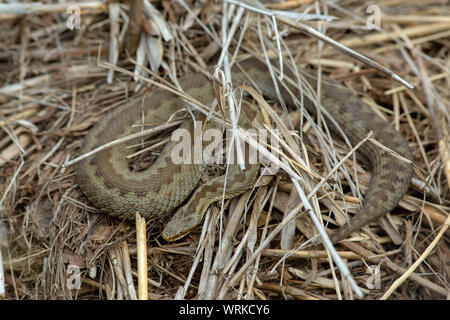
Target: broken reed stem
point(141, 245)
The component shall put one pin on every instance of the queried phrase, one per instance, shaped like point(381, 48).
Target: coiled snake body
point(109, 184)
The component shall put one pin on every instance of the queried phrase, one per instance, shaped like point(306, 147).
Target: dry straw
point(56, 83)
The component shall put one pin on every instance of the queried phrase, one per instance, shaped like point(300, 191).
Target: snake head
point(183, 222)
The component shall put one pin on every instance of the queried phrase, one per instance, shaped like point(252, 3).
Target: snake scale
point(109, 184)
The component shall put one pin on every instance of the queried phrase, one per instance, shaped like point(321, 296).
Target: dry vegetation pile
point(55, 83)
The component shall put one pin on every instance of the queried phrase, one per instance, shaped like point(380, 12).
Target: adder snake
point(109, 184)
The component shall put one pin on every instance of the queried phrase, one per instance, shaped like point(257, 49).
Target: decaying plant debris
point(55, 83)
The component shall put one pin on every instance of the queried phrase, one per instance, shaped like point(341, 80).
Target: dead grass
point(54, 87)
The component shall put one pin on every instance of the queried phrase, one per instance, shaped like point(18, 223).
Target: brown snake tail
point(107, 181)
